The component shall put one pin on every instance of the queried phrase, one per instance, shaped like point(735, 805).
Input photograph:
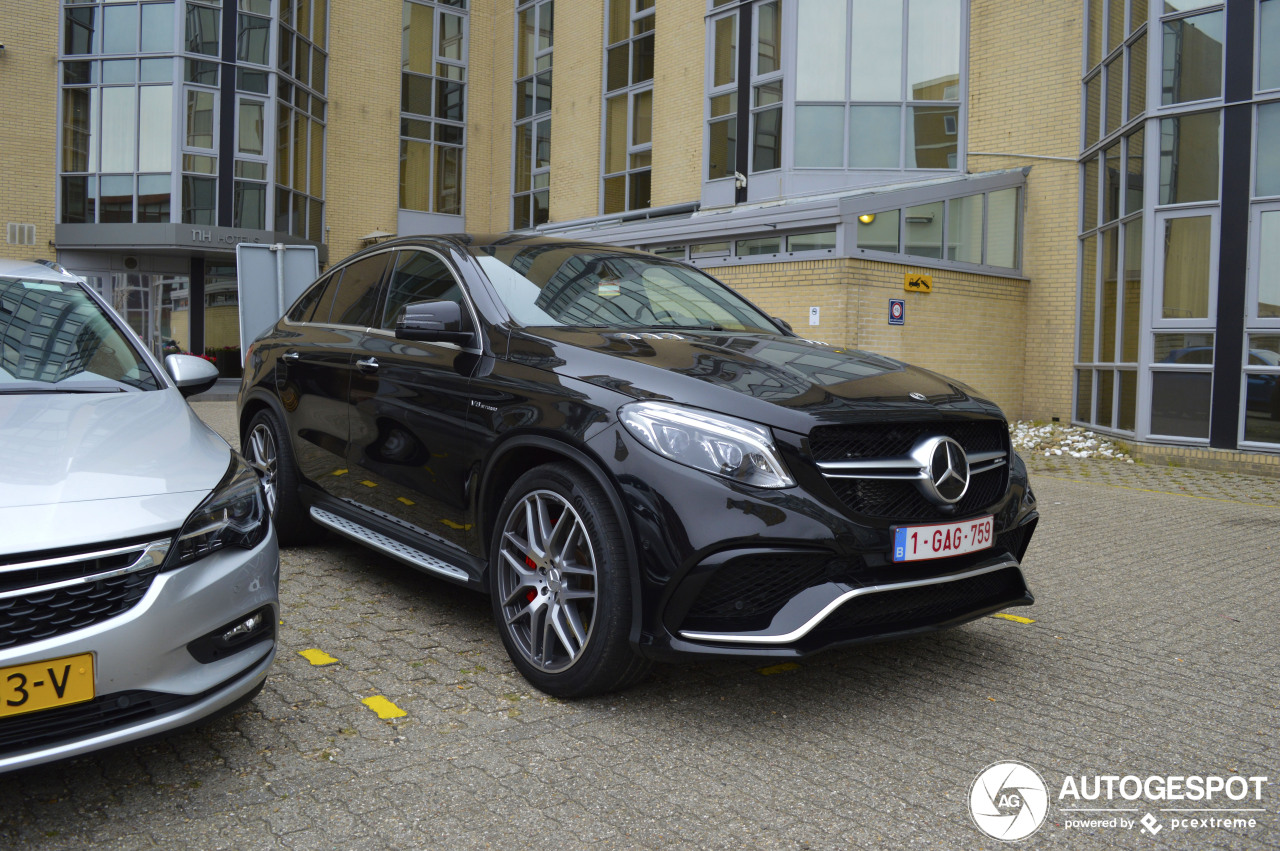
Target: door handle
point(368, 364)
point(290, 357)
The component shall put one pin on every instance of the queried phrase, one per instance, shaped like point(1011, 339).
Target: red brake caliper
point(531, 595)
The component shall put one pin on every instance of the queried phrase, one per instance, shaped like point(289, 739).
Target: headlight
point(725, 446)
point(234, 515)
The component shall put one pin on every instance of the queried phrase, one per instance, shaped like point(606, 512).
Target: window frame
point(629, 91)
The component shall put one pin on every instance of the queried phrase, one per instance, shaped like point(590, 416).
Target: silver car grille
point(52, 596)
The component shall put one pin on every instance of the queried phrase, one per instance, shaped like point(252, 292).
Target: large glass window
point(1191, 57)
point(982, 229)
point(628, 106)
point(433, 55)
point(1268, 44)
point(878, 115)
point(1168, 359)
point(1266, 300)
point(1189, 162)
point(300, 107)
point(1188, 265)
point(1262, 390)
point(1114, 85)
point(535, 42)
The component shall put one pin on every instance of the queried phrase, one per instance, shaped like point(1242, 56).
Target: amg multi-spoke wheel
point(548, 581)
point(266, 447)
point(561, 585)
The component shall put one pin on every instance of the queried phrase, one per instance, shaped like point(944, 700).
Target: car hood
point(785, 382)
point(91, 467)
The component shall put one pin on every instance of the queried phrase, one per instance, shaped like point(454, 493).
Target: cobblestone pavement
point(1154, 651)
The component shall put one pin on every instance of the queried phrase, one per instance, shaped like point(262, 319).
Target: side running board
point(397, 550)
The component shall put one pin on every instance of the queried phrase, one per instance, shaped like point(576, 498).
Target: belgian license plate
point(942, 540)
point(46, 685)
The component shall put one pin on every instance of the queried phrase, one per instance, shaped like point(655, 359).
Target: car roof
point(477, 243)
point(32, 270)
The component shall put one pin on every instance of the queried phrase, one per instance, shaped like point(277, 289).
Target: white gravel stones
point(1055, 439)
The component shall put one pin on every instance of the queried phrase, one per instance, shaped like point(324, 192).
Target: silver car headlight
point(725, 446)
point(233, 515)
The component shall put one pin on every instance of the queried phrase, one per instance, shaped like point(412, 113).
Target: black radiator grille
point(903, 501)
point(31, 610)
point(70, 723)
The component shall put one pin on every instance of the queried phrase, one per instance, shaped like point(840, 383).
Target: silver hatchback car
point(139, 573)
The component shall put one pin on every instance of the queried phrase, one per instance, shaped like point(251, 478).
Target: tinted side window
point(358, 293)
point(419, 276)
point(316, 301)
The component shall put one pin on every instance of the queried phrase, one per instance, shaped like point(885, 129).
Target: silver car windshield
point(54, 338)
point(596, 287)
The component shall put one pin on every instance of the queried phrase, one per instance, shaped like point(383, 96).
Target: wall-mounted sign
point(897, 311)
point(917, 282)
point(815, 316)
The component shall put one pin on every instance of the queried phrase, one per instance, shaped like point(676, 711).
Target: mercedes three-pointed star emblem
point(946, 469)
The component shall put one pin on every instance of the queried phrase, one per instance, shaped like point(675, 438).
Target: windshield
point(55, 339)
point(594, 286)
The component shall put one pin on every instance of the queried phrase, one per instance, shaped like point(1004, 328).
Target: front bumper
point(146, 680)
point(727, 570)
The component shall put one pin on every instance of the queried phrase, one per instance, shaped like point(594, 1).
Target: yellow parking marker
point(383, 707)
point(453, 525)
point(1013, 618)
point(405, 500)
point(339, 472)
point(369, 484)
point(316, 657)
point(779, 669)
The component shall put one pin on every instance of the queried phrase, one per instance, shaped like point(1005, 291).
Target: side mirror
point(192, 374)
point(784, 323)
point(433, 322)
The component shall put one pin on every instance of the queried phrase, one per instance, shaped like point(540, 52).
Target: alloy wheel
point(263, 457)
point(547, 581)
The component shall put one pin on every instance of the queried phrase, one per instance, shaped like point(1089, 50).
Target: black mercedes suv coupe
point(633, 462)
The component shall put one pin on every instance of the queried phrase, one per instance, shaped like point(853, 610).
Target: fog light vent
point(233, 637)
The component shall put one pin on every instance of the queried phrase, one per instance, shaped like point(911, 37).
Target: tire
point(266, 447)
point(561, 594)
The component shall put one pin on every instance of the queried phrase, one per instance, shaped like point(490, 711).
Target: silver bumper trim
point(765, 636)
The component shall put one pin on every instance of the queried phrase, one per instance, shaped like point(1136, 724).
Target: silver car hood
point(82, 468)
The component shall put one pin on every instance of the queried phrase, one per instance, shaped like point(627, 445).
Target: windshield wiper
point(710, 327)
point(45, 387)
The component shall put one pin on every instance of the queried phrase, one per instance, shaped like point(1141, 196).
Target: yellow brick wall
point(28, 124)
point(362, 146)
point(1024, 84)
point(970, 328)
point(490, 90)
point(577, 79)
point(679, 64)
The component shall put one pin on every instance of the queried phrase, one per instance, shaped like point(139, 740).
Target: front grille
point(924, 605)
point(55, 726)
point(889, 440)
point(53, 596)
point(901, 500)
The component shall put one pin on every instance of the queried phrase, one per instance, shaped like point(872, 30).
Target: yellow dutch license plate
point(46, 685)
